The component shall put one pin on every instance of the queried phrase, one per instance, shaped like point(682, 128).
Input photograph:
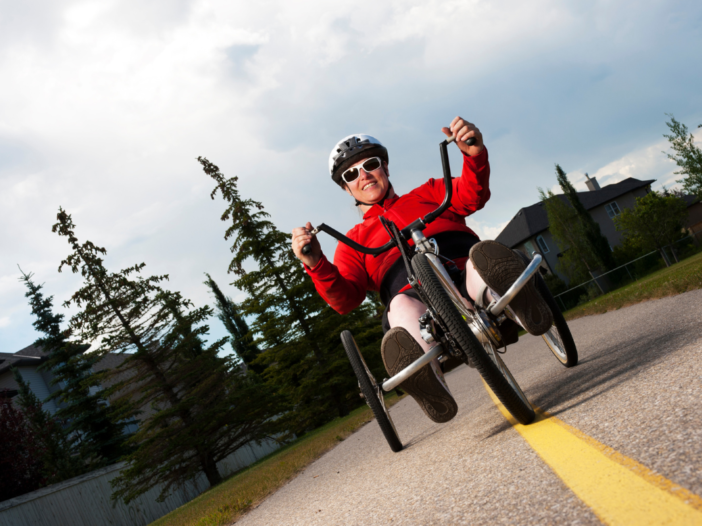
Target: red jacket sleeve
point(470, 191)
point(342, 284)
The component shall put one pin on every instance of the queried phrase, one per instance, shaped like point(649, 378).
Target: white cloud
point(486, 230)
point(646, 163)
point(104, 107)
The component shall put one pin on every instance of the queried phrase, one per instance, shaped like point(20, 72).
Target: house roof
point(30, 355)
point(533, 219)
point(8, 360)
point(690, 199)
point(31, 350)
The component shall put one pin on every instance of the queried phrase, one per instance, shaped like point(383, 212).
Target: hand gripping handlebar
point(417, 224)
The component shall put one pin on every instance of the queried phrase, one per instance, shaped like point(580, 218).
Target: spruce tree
point(242, 339)
point(303, 355)
point(281, 296)
point(576, 260)
point(54, 448)
point(195, 407)
point(591, 230)
point(94, 437)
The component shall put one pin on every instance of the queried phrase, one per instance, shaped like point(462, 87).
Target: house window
point(612, 209)
point(529, 248)
point(542, 244)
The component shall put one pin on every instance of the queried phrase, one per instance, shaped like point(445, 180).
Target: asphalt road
point(636, 389)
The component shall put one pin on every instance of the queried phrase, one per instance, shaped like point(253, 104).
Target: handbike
point(455, 327)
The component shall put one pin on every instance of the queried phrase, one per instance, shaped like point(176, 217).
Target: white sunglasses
point(370, 164)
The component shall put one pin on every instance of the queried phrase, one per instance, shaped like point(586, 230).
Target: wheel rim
point(497, 360)
point(553, 339)
point(377, 388)
point(506, 372)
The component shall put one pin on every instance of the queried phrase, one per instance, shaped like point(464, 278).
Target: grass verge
point(228, 501)
point(680, 277)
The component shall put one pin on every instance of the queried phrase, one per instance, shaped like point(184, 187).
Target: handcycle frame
point(485, 323)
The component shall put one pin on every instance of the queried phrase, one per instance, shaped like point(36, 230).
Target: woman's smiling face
point(369, 187)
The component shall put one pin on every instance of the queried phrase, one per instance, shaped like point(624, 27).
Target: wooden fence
point(85, 500)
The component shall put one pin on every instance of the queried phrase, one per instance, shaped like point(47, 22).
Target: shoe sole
point(500, 267)
point(399, 350)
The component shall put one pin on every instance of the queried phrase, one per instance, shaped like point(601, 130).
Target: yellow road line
point(618, 489)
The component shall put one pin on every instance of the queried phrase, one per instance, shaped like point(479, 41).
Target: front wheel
point(451, 309)
point(372, 392)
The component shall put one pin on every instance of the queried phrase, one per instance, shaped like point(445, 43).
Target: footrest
point(391, 383)
point(496, 307)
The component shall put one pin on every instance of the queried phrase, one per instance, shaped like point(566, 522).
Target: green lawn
point(676, 279)
point(226, 502)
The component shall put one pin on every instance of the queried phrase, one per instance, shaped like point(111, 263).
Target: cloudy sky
point(104, 107)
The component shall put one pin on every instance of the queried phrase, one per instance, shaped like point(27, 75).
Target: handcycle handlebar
point(418, 224)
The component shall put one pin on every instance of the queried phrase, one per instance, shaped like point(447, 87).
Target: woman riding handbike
point(416, 224)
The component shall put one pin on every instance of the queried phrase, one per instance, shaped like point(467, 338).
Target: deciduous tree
point(687, 155)
point(21, 465)
point(655, 222)
point(53, 447)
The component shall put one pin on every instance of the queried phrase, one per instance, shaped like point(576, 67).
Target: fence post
point(597, 282)
point(562, 303)
point(627, 269)
point(665, 257)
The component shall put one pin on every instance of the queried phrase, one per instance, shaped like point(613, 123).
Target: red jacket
point(343, 285)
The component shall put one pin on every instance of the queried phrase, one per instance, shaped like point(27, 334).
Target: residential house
point(529, 229)
point(27, 362)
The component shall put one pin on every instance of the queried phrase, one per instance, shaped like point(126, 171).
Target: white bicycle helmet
point(349, 150)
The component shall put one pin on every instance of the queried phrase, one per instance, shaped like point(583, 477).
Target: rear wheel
point(558, 337)
point(457, 317)
point(372, 392)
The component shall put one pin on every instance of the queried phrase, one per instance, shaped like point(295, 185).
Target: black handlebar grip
point(470, 141)
point(307, 249)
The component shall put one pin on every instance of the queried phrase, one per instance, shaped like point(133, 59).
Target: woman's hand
point(463, 130)
point(301, 237)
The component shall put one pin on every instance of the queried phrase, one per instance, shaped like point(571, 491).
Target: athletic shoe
point(500, 267)
point(428, 389)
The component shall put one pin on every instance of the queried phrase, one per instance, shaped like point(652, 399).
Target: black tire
point(368, 387)
point(478, 356)
point(558, 339)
